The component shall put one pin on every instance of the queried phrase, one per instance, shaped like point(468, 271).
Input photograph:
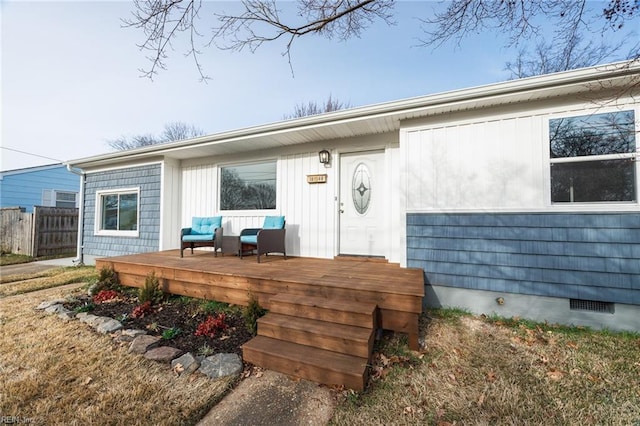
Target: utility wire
point(29, 153)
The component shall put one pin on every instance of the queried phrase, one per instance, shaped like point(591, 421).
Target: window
point(248, 186)
point(117, 212)
point(593, 158)
point(66, 199)
point(53, 198)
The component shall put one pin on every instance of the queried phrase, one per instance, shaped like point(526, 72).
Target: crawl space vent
point(591, 306)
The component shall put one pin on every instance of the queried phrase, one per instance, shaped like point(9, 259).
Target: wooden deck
point(332, 292)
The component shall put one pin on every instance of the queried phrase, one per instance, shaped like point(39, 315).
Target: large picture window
point(593, 158)
point(117, 212)
point(248, 186)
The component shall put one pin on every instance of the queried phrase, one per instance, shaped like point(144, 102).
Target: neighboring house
point(519, 198)
point(51, 185)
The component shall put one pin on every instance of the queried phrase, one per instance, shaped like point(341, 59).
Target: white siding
point(493, 163)
point(310, 209)
point(199, 192)
point(170, 205)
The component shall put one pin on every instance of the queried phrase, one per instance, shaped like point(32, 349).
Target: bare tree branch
point(313, 108)
point(261, 21)
point(161, 21)
point(174, 131)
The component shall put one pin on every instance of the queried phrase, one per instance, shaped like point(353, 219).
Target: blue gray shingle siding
point(592, 256)
point(148, 179)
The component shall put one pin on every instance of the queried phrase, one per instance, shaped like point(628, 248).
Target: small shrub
point(211, 326)
point(213, 306)
point(141, 310)
point(252, 313)
point(150, 291)
point(106, 296)
point(87, 307)
point(205, 350)
point(122, 317)
point(170, 333)
point(107, 280)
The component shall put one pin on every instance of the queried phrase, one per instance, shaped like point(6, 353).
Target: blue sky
point(70, 78)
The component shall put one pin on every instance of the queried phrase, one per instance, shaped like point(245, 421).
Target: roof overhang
point(379, 118)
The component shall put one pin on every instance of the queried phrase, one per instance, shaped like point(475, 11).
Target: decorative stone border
point(214, 366)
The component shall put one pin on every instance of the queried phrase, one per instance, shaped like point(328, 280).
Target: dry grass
point(14, 259)
point(54, 372)
point(24, 283)
point(477, 372)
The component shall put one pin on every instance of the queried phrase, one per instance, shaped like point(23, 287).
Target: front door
point(363, 204)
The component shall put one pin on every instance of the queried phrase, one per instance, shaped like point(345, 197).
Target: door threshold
point(361, 258)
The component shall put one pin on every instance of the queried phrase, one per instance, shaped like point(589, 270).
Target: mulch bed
point(179, 313)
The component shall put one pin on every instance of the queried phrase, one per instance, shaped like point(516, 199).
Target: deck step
point(341, 338)
point(318, 365)
point(359, 314)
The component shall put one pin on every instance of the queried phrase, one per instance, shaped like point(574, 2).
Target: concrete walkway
point(270, 398)
point(34, 267)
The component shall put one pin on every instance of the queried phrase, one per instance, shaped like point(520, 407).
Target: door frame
point(386, 188)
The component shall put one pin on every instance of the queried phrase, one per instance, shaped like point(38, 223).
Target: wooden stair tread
point(322, 302)
point(306, 362)
point(318, 327)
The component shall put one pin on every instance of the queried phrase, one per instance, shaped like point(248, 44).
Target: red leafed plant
point(211, 326)
point(141, 310)
point(105, 296)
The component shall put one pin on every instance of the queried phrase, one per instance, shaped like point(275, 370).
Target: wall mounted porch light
point(325, 157)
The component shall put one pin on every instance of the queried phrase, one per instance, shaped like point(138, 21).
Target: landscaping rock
point(46, 304)
point(185, 365)
point(82, 316)
point(108, 326)
point(143, 343)
point(162, 353)
point(133, 332)
point(66, 314)
point(221, 365)
point(91, 319)
point(54, 309)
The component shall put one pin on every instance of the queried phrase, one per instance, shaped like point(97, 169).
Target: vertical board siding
point(148, 179)
point(593, 256)
point(309, 209)
point(480, 165)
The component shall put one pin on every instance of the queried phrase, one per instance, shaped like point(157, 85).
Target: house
point(515, 198)
point(51, 186)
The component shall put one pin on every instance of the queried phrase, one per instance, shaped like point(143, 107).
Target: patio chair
point(268, 239)
point(204, 232)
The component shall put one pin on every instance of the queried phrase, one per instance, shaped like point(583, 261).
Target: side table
point(230, 244)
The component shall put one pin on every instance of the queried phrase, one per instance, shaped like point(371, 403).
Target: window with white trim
point(593, 158)
point(54, 198)
point(248, 186)
point(66, 199)
point(117, 212)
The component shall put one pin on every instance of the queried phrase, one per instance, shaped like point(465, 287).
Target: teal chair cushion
point(273, 222)
point(249, 239)
point(205, 225)
point(198, 237)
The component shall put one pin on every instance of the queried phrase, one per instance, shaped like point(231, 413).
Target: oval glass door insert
point(361, 188)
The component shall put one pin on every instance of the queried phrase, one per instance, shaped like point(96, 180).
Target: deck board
point(398, 292)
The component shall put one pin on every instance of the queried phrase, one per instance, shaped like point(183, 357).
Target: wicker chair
point(204, 232)
point(268, 239)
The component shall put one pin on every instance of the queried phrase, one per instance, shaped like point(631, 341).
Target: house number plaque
point(317, 178)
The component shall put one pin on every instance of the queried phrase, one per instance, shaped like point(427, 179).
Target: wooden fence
point(48, 231)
